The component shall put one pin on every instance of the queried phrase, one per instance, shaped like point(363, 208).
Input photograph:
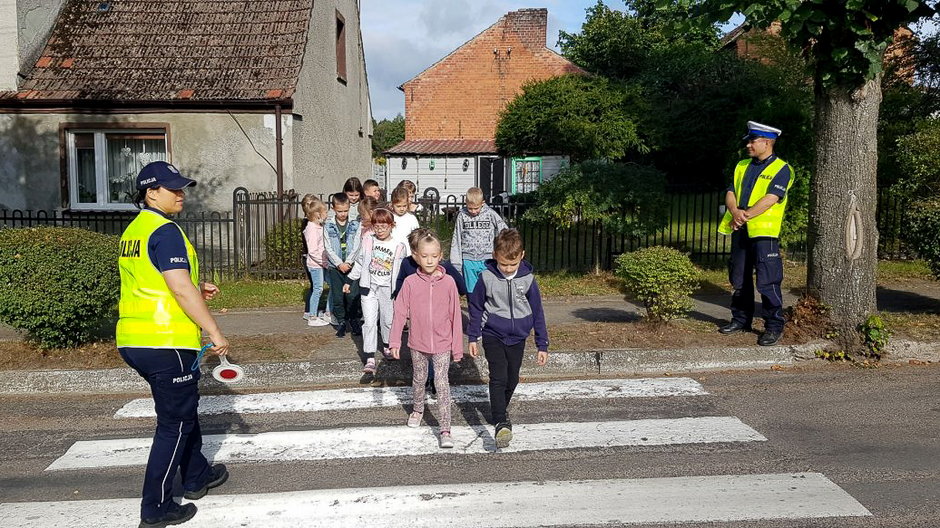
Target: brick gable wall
point(461, 96)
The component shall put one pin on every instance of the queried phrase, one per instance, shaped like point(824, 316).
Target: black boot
point(177, 515)
point(770, 337)
point(733, 327)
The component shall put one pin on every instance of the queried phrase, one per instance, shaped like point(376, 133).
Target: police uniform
point(755, 246)
point(158, 339)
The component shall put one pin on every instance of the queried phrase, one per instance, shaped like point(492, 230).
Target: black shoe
point(733, 327)
point(769, 338)
point(341, 331)
point(217, 476)
point(177, 515)
point(367, 378)
point(503, 434)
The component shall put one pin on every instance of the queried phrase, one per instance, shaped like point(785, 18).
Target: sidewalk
point(333, 365)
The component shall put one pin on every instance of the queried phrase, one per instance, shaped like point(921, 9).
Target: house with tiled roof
point(452, 109)
point(269, 96)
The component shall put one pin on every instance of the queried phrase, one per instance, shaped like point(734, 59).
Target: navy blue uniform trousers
point(177, 442)
point(760, 255)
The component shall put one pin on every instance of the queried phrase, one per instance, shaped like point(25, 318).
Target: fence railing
point(261, 236)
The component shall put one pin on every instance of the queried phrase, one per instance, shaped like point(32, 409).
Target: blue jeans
point(177, 442)
point(312, 304)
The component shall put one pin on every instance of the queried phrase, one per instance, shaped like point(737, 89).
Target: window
point(103, 165)
point(526, 174)
point(340, 48)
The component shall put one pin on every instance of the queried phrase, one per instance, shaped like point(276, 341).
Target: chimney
point(530, 25)
point(9, 45)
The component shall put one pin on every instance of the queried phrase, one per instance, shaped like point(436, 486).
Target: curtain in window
point(85, 165)
point(126, 155)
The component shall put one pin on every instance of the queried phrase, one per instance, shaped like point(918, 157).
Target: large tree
point(845, 42)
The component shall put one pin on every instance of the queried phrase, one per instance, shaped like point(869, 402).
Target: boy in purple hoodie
point(507, 293)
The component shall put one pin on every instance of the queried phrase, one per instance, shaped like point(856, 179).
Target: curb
point(269, 376)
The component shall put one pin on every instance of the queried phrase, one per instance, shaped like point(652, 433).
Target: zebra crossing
point(612, 501)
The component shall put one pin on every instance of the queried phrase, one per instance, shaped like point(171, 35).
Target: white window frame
point(101, 166)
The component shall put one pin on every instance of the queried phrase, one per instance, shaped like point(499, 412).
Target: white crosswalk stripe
point(358, 442)
point(344, 399)
point(683, 499)
point(597, 502)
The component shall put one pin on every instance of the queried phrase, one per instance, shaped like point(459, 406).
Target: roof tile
point(158, 50)
point(444, 146)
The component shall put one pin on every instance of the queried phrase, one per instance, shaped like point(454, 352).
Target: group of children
point(383, 270)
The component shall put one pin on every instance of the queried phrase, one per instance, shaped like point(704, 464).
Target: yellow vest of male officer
point(769, 223)
point(149, 315)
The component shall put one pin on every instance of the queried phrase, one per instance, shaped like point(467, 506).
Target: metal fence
point(261, 236)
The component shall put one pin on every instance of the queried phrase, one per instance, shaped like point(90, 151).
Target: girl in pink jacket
point(430, 301)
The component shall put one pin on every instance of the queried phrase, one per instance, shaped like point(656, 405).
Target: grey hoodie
point(473, 235)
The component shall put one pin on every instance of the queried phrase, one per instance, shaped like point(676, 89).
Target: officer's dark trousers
point(177, 443)
point(504, 362)
point(760, 255)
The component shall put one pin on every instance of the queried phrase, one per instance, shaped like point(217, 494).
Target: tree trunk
point(843, 235)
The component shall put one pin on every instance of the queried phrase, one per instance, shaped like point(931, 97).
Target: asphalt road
point(873, 433)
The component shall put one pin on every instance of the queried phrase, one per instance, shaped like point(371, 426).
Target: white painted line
point(724, 498)
point(391, 441)
point(342, 399)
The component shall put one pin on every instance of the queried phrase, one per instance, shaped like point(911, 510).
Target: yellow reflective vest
point(768, 224)
point(149, 315)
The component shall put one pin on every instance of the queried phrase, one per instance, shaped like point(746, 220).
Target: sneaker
point(503, 434)
point(447, 442)
point(217, 476)
point(316, 321)
point(414, 420)
point(341, 331)
point(177, 515)
point(306, 316)
point(369, 367)
point(367, 378)
point(430, 390)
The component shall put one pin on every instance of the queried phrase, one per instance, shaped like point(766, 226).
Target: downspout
point(279, 142)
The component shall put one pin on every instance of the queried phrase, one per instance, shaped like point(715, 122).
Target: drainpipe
point(280, 150)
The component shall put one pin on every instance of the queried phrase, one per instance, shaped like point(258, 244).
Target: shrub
point(875, 334)
point(626, 198)
point(60, 285)
point(283, 246)
point(922, 231)
point(662, 278)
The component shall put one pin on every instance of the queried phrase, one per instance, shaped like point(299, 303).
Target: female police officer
point(162, 315)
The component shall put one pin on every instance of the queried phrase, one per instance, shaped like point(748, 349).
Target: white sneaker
point(316, 321)
point(414, 420)
point(446, 441)
point(306, 316)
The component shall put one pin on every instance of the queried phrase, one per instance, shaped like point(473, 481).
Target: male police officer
point(754, 203)
point(162, 313)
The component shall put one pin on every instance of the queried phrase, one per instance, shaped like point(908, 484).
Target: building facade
point(270, 96)
point(452, 109)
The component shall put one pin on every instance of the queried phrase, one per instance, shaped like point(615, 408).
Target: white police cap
point(758, 130)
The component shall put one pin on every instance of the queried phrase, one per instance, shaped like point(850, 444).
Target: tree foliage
point(625, 197)
point(583, 117)
point(386, 134)
point(845, 40)
point(619, 44)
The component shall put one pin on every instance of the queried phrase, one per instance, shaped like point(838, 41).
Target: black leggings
point(504, 363)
